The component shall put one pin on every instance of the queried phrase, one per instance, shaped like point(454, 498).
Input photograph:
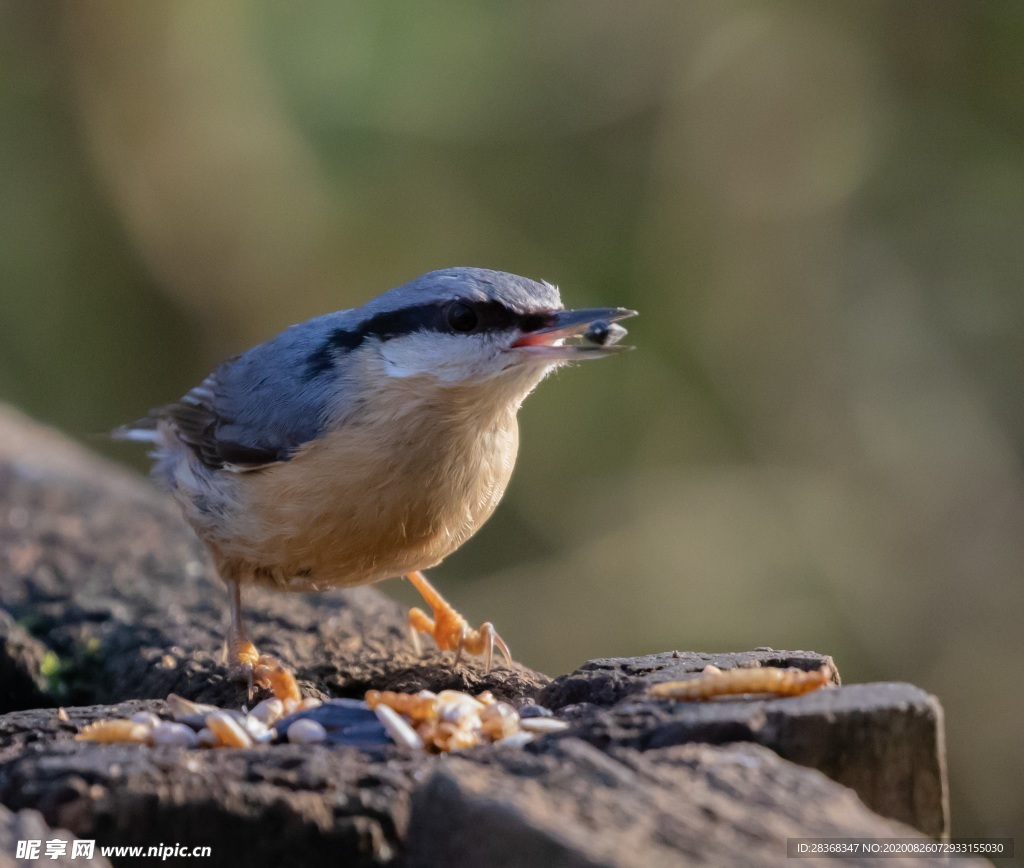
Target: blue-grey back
point(262, 405)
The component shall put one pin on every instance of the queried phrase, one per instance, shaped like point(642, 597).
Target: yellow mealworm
point(114, 732)
point(713, 683)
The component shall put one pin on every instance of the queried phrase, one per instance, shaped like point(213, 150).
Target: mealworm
point(713, 683)
point(115, 731)
point(418, 706)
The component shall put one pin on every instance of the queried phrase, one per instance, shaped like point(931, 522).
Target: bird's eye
point(461, 317)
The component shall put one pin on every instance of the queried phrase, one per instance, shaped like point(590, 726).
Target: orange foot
point(261, 670)
point(449, 628)
point(247, 664)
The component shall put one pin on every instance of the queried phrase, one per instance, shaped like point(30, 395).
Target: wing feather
point(257, 408)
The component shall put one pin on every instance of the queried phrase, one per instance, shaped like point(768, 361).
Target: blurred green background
point(818, 209)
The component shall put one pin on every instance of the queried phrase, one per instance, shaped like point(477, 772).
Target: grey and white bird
point(368, 443)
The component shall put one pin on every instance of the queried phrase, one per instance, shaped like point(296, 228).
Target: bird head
point(470, 326)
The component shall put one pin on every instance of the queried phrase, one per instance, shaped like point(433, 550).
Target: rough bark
point(574, 805)
point(886, 741)
point(29, 825)
point(107, 605)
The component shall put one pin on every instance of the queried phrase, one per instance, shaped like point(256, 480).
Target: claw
point(273, 675)
point(502, 647)
point(461, 647)
point(419, 622)
point(245, 672)
point(414, 637)
point(245, 658)
point(493, 640)
point(450, 630)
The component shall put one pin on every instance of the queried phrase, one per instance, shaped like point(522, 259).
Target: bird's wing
point(258, 408)
point(216, 420)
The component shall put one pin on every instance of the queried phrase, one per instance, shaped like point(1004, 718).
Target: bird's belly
point(336, 515)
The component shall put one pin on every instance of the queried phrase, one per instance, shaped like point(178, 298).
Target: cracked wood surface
point(107, 605)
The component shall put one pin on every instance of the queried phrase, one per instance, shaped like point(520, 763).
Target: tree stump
point(107, 605)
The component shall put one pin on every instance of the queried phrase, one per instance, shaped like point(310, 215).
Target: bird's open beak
point(593, 331)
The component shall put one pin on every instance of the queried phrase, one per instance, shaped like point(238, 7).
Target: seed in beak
point(603, 333)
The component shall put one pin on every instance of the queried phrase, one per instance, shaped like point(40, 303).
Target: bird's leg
point(449, 628)
point(247, 664)
point(242, 654)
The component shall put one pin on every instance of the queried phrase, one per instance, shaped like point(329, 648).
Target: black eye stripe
point(491, 316)
point(432, 317)
point(532, 322)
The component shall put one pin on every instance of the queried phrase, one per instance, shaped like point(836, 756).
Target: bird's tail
point(143, 431)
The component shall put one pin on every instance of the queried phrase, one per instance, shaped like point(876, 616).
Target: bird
point(368, 443)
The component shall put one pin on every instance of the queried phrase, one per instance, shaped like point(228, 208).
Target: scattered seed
point(446, 721)
point(179, 707)
point(451, 738)
point(268, 712)
point(543, 725)
point(258, 732)
point(229, 732)
point(397, 728)
point(305, 731)
point(458, 708)
point(167, 732)
point(519, 739)
point(263, 736)
point(499, 721)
